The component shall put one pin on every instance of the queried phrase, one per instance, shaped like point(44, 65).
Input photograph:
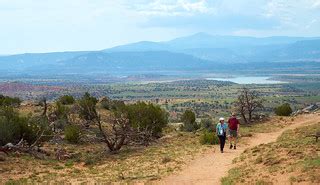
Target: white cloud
point(174, 8)
point(292, 14)
point(281, 10)
point(315, 4)
point(53, 25)
point(199, 6)
point(311, 23)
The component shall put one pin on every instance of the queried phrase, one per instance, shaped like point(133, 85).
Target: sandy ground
point(210, 167)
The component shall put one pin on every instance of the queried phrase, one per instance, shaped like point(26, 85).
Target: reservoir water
point(248, 80)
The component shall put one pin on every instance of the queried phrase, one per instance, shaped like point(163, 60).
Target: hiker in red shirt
point(234, 125)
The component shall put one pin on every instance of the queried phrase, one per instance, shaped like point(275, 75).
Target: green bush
point(283, 110)
point(72, 133)
point(112, 105)
point(190, 127)
point(61, 111)
point(147, 117)
point(207, 124)
point(9, 101)
point(105, 103)
point(209, 138)
point(60, 124)
point(87, 108)
point(66, 100)
point(14, 127)
point(189, 121)
point(11, 130)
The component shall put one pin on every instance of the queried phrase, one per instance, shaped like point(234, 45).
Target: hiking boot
point(221, 151)
point(234, 147)
point(230, 146)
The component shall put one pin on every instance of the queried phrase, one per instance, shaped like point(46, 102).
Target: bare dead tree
point(240, 107)
point(254, 102)
point(247, 103)
point(115, 131)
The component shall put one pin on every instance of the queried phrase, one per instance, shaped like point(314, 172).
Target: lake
point(248, 80)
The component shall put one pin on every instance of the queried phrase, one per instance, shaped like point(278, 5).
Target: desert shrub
point(61, 111)
point(37, 125)
point(66, 100)
point(147, 118)
point(60, 124)
point(10, 126)
point(105, 103)
point(72, 133)
point(189, 121)
point(283, 110)
point(115, 131)
point(113, 105)
point(207, 124)
point(139, 123)
point(87, 108)
point(209, 138)
point(59, 115)
point(14, 127)
point(9, 101)
point(117, 105)
point(190, 127)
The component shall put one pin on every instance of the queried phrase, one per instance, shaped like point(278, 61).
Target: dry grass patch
point(271, 125)
point(92, 162)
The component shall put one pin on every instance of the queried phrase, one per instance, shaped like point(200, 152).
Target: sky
point(70, 25)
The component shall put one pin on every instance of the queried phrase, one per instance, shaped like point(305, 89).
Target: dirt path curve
point(210, 167)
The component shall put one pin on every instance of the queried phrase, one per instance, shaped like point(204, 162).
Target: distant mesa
point(200, 51)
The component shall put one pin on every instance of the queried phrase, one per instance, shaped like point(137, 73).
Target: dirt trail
point(210, 167)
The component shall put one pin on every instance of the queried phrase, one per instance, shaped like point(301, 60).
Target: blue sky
point(60, 25)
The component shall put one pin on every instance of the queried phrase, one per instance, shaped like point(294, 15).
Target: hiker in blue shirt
point(221, 131)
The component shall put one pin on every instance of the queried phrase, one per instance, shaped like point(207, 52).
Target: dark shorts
point(233, 133)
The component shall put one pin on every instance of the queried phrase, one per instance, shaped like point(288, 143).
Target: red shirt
point(233, 123)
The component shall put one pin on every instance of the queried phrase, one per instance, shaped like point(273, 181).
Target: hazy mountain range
point(196, 52)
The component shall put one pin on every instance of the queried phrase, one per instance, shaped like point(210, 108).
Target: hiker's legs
point(223, 143)
point(230, 140)
point(233, 138)
point(222, 140)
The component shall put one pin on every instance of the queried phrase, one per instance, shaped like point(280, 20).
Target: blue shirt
point(221, 129)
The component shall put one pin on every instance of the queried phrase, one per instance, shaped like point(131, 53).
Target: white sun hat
point(221, 119)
